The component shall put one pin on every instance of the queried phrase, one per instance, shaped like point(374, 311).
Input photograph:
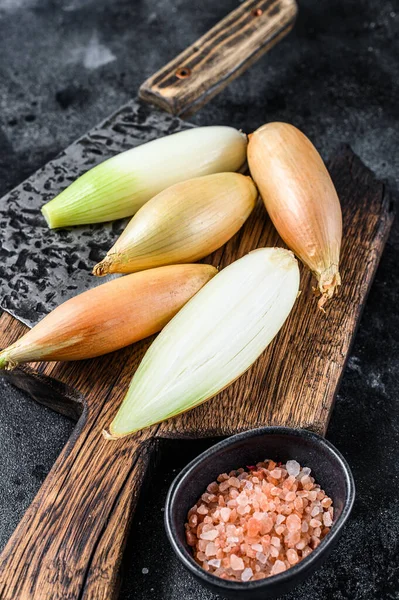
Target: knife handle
point(227, 50)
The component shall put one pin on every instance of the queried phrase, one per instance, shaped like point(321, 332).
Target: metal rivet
point(257, 12)
point(183, 73)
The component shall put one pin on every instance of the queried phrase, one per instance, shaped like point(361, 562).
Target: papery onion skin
point(110, 316)
point(212, 341)
point(119, 186)
point(184, 223)
point(300, 198)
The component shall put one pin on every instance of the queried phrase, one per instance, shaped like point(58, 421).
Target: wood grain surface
point(218, 57)
point(70, 542)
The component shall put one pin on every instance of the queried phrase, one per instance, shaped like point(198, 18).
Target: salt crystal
point(314, 523)
point(317, 532)
point(209, 535)
point(298, 503)
point(202, 510)
point(253, 527)
point(214, 562)
point(202, 544)
point(293, 467)
point(293, 523)
point(232, 539)
point(213, 487)
point(267, 525)
point(305, 526)
point(243, 510)
point(292, 556)
point(262, 558)
point(193, 520)
point(326, 502)
point(292, 538)
point(275, 541)
point(278, 567)
point(257, 547)
point(274, 552)
point(290, 497)
point(315, 542)
point(225, 514)
point(233, 481)
point(259, 515)
point(280, 519)
point(210, 549)
point(246, 574)
point(224, 486)
point(236, 563)
point(242, 499)
point(279, 529)
point(276, 473)
point(306, 471)
point(327, 520)
point(315, 511)
point(249, 485)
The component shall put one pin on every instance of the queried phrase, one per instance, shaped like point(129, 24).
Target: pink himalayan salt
point(209, 535)
point(214, 562)
point(278, 567)
point(314, 523)
point(292, 556)
point(326, 502)
point(290, 497)
point(225, 514)
point(236, 563)
point(276, 473)
point(246, 574)
point(293, 523)
point(229, 527)
point(210, 549)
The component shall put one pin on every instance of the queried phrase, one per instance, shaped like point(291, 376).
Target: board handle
point(69, 543)
point(227, 50)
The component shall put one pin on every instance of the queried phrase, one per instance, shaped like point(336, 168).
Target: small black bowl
point(328, 466)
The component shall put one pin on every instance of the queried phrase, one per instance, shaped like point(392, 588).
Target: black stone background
point(66, 64)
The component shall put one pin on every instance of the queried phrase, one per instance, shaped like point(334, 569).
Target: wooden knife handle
point(227, 50)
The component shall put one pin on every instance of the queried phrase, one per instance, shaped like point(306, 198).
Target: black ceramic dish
point(329, 468)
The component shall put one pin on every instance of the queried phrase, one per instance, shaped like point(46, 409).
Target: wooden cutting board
point(69, 544)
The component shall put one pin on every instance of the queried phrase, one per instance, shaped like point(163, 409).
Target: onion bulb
point(110, 316)
point(183, 223)
point(213, 340)
point(119, 186)
point(300, 198)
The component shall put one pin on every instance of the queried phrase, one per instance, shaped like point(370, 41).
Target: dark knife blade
point(40, 267)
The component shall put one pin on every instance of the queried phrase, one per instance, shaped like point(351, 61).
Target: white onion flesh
point(215, 338)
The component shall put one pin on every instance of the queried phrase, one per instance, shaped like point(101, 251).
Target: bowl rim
point(296, 570)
